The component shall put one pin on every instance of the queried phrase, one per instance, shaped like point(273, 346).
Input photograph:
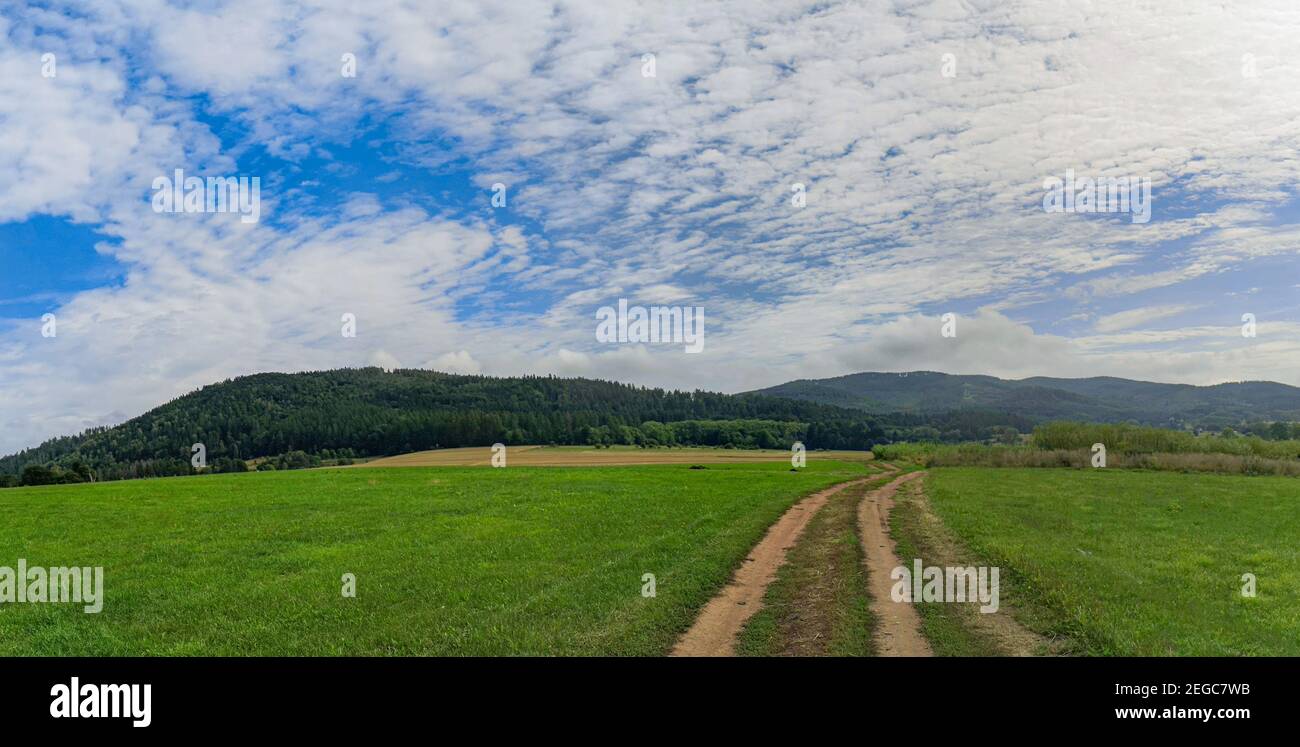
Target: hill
point(1096, 399)
point(302, 418)
point(278, 420)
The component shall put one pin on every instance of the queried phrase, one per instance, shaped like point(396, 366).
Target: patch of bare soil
point(714, 631)
point(898, 626)
point(548, 456)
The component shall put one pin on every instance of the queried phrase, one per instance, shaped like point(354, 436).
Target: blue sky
point(923, 133)
point(47, 260)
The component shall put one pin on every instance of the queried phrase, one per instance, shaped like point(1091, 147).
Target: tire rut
point(898, 626)
point(715, 630)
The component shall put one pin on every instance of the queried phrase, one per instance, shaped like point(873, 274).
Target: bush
point(980, 455)
point(53, 474)
point(228, 464)
point(1135, 439)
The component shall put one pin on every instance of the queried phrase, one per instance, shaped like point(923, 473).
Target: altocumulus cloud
point(923, 189)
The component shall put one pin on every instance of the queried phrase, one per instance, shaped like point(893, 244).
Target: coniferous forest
point(289, 421)
point(352, 413)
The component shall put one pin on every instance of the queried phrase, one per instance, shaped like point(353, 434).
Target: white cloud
point(1122, 320)
point(923, 190)
point(459, 362)
point(385, 360)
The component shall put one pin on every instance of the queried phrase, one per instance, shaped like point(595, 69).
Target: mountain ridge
point(341, 414)
point(1094, 399)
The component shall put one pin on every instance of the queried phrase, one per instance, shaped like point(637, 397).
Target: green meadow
point(447, 560)
point(1137, 563)
point(550, 561)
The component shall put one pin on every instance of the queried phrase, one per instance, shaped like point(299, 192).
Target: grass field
point(536, 561)
point(448, 560)
point(586, 456)
point(960, 629)
point(1132, 562)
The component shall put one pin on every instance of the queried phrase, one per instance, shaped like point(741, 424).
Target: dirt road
point(715, 630)
point(898, 628)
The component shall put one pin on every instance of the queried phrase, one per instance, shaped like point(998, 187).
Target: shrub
point(980, 455)
point(1135, 439)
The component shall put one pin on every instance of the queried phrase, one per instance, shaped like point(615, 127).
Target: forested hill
point(369, 412)
point(1097, 399)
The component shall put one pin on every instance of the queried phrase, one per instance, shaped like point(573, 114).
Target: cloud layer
point(921, 133)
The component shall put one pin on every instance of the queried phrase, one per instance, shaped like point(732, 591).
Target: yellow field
point(585, 456)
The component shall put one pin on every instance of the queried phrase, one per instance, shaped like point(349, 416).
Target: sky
point(825, 180)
